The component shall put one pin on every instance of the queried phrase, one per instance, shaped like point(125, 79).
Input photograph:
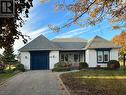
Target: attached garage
point(39, 60)
point(38, 54)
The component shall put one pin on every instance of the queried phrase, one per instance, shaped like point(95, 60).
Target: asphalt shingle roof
point(42, 43)
point(99, 42)
point(71, 45)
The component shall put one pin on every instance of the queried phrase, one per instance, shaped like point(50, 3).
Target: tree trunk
point(9, 66)
point(124, 60)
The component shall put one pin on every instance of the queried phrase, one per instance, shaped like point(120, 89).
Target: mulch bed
point(75, 86)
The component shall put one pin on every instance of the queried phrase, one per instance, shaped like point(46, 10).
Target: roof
point(68, 40)
point(42, 43)
point(99, 42)
point(39, 43)
point(71, 45)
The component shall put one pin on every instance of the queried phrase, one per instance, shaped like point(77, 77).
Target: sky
point(43, 14)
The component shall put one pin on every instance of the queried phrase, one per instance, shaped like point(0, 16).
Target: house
point(42, 53)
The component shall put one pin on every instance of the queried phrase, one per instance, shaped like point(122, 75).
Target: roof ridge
point(69, 40)
point(29, 42)
point(90, 42)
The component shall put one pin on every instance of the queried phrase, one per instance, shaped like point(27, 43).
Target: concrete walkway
point(32, 83)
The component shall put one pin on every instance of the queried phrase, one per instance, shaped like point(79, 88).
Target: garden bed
point(96, 82)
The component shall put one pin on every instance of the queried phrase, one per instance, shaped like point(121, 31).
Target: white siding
point(114, 54)
point(87, 56)
point(53, 58)
point(91, 58)
point(25, 59)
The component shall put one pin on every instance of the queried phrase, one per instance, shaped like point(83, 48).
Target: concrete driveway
point(32, 83)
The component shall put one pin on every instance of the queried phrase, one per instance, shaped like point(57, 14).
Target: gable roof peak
point(98, 37)
point(99, 42)
point(39, 43)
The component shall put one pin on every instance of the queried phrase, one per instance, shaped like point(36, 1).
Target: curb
point(61, 82)
point(3, 82)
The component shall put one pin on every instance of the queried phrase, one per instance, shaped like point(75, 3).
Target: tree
point(121, 40)
point(91, 12)
point(0, 58)
point(8, 57)
point(9, 26)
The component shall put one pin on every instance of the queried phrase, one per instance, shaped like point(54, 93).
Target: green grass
point(4, 76)
point(112, 82)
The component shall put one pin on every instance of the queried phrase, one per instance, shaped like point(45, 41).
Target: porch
point(72, 57)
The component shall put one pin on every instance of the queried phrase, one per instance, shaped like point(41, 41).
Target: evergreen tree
point(8, 57)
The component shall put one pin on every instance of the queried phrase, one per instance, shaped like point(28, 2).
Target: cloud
point(71, 33)
point(33, 34)
point(30, 28)
point(43, 30)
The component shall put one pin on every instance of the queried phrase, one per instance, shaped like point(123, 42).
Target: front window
point(66, 57)
point(106, 56)
point(62, 57)
point(80, 58)
point(102, 56)
point(76, 57)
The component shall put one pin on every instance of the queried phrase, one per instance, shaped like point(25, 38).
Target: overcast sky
point(41, 15)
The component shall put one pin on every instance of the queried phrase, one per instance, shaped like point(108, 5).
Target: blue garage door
point(39, 60)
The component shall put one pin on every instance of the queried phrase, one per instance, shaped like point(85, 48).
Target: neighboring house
point(42, 54)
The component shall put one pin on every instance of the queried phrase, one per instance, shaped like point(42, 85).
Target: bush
point(83, 65)
point(113, 64)
point(20, 67)
point(11, 67)
point(61, 69)
point(61, 66)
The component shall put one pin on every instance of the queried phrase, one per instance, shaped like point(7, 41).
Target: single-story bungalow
point(42, 53)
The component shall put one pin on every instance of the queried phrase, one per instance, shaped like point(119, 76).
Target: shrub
point(83, 65)
point(113, 64)
point(61, 66)
point(98, 66)
point(61, 69)
point(20, 67)
point(11, 67)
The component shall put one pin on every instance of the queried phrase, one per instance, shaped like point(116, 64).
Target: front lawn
point(4, 76)
point(96, 82)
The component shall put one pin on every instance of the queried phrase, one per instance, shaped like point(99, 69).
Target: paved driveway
point(32, 83)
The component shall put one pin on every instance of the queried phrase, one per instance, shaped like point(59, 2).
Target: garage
point(39, 60)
